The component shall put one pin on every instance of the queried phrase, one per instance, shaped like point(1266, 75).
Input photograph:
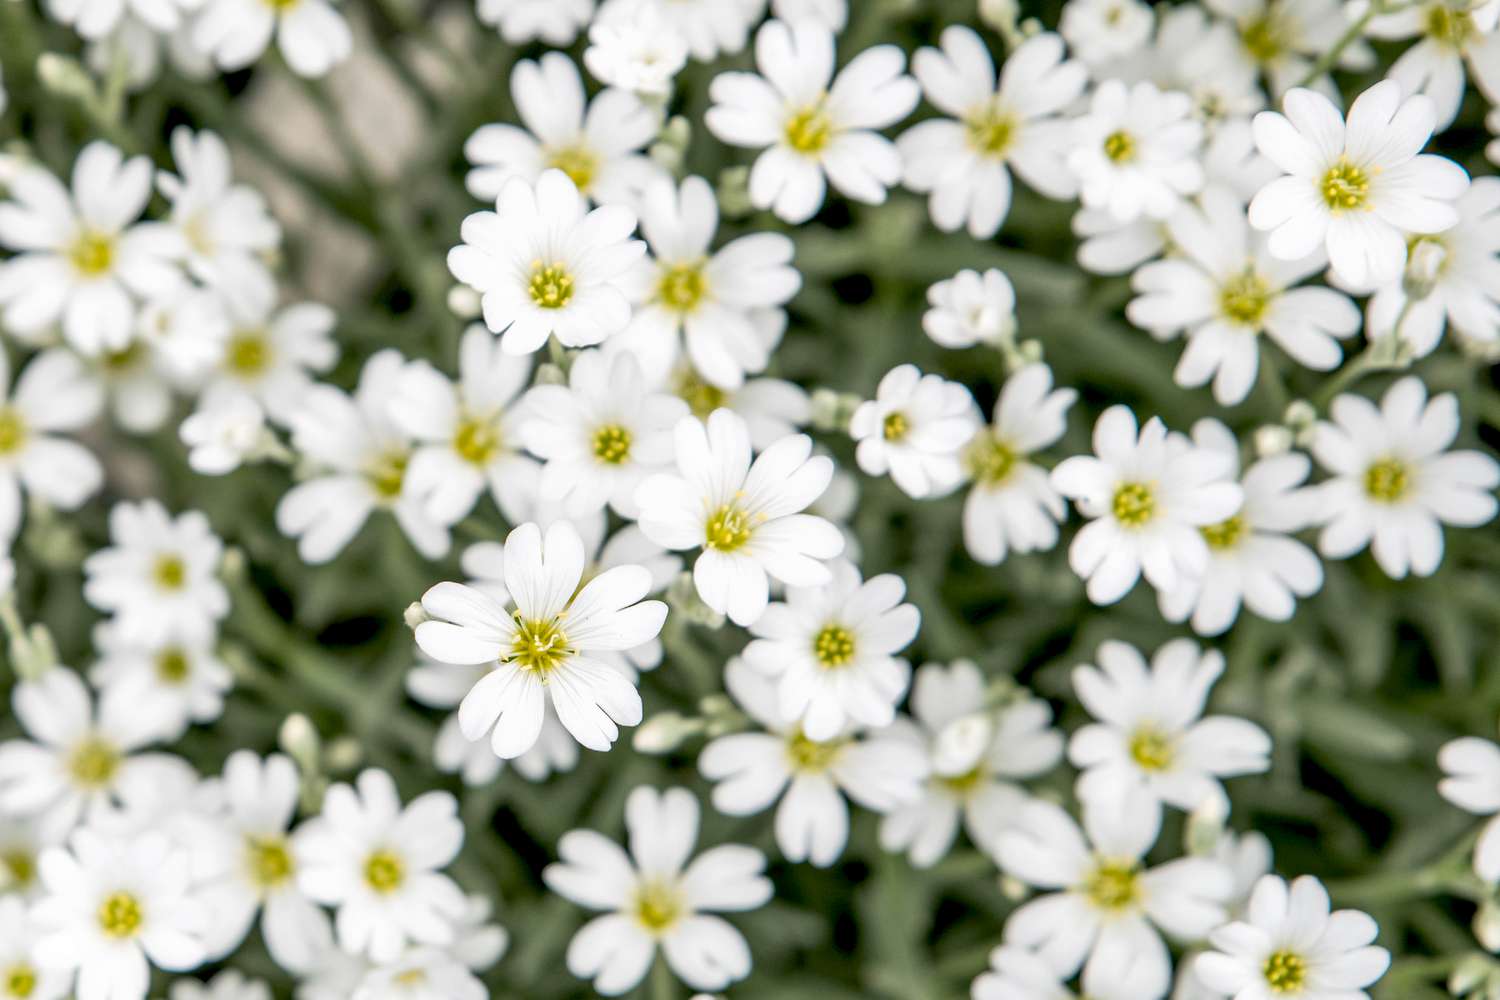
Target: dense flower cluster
point(619, 459)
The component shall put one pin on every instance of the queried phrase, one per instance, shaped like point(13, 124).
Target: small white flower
point(1394, 482)
point(1359, 188)
point(751, 770)
point(1150, 735)
point(1147, 492)
point(1019, 974)
point(421, 974)
point(81, 257)
point(636, 46)
point(833, 13)
point(915, 429)
point(1471, 781)
point(1284, 38)
point(312, 35)
point(1291, 945)
point(93, 19)
point(710, 27)
point(187, 678)
point(771, 407)
point(227, 985)
point(1135, 152)
point(51, 394)
point(227, 430)
point(812, 125)
point(544, 266)
point(179, 337)
point(159, 577)
point(833, 647)
point(1012, 505)
point(545, 650)
point(964, 162)
point(971, 308)
point(597, 144)
point(655, 896)
point(22, 977)
point(556, 22)
point(377, 864)
point(745, 517)
point(1104, 31)
point(1449, 36)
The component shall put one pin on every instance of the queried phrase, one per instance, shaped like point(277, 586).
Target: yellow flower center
point(1345, 186)
point(539, 644)
point(281, 6)
point(384, 871)
point(1119, 147)
point(834, 646)
point(476, 441)
point(658, 905)
point(19, 981)
point(269, 862)
point(93, 763)
point(894, 427)
point(172, 666)
point(387, 474)
point(1447, 26)
point(1134, 504)
point(809, 756)
point(92, 254)
point(1224, 535)
point(1264, 38)
point(612, 444)
point(120, 915)
point(12, 430)
point(964, 784)
point(990, 459)
point(1113, 885)
point(1387, 480)
point(682, 286)
point(809, 130)
point(123, 360)
point(1285, 972)
point(728, 529)
point(991, 131)
point(551, 286)
point(248, 353)
point(578, 162)
point(701, 397)
point(19, 866)
point(1244, 298)
point(1152, 749)
point(169, 571)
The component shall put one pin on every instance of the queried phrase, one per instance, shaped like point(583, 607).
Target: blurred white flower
point(311, 35)
point(1471, 781)
point(556, 22)
point(227, 430)
point(1135, 152)
point(971, 308)
point(1104, 31)
point(915, 429)
point(636, 46)
point(187, 679)
point(51, 394)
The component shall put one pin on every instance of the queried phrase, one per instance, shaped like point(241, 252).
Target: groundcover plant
point(749, 499)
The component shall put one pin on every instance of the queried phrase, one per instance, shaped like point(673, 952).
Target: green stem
point(663, 983)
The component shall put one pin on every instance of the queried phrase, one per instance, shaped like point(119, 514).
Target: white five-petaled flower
point(547, 649)
point(227, 985)
point(964, 162)
point(1290, 945)
point(811, 124)
point(1471, 781)
point(1395, 483)
point(915, 429)
point(1283, 39)
point(544, 266)
point(556, 22)
point(636, 45)
point(1150, 735)
point(22, 977)
point(187, 679)
point(745, 517)
point(1449, 35)
point(971, 308)
point(654, 896)
point(1358, 187)
point(1135, 153)
point(1148, 492)
point(312, 35)
point(51, 394)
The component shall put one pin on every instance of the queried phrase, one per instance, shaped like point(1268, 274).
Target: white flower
point(597, 144)
point(1450, 35)
point(79, 258)
point(833, 651)
point(1291, 945)
point(1359, 188)
point(600, 435)
point(51, 394)
point(1019, 974)
point(1225, 289)
point(227, 430)
point(186, 678)
point(636, 46)
point(421, 974)
point(114, 907)
point(810, 123)
point(915, 429)
point(312, 35)
point(655, 896)
point(833, 13)
point(94, 19)
point(1471, 781)
point(252, 863)
point(82, 761)
point(1103, 31)
point(1012, 505)
point(1147, 493)
point(978, 786)
point(543, 652)
point(366, 459)
point(1136, 151)
point(964, 162)
point(1452, 279)
point(971, 308)
point(227, 985)
point(467, 433)
point(1107, 911)
point(556, 22)
point(710, 27)
point(1150, 735)
point(746, 518)
point(158, 578)
point(543, 266)
point(1394, 482)
point(1252, 557)
point(753, 769)
point(179, 336)
point(1284, 38)
point(377, 864)
point(21, 976)
point(714, 302)
point(21, 843)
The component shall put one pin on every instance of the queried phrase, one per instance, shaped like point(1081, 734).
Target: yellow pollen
point(964, 784)
point(894, 427)
point(1449, 27)
point(658, 906)
point(92, 254)
point(551, 286)
point(809, 130)
point(1225, 535)
point(727, 529)
point(834, 646)
point(476, 441)
point(682, 287)
point(1119, 147)
point(1387, 480)
point(268, 861)
point(1134, 504)
point(411, 977)
point(19, 981)
point(169, 571)
point(12, 430)
point(123, 360)
point(701, 397)
point(384, 871)
point(1345, 186)
point(248, 353)
point(612, 444)
point(93, 762)
point(120, 915)
point(1263, 38)
point(990, 460)
point(809, 756)
point(991, 131)
point(1151, 748)
point(281, 6)
point(172, 666)
point(1285, 972)
point(1244, 298)
point(578, 162)
point(1113, 885)
point(539, 645)
point(387, 474)
point(20, 866)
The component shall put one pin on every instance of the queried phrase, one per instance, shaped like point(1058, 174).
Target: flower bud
point(665, 732)
point(415, 615)
point(1273, 439)
point(1424, 266)
point(1487, 926)
point(463, 302)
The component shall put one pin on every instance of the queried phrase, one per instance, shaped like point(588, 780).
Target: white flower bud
point(665, 732)
point(415, 615)
point(1487, 926)
point(1469, 975)
point(463, 302)
point(1273, 439)
point(1424, 265)
point(300, 740)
